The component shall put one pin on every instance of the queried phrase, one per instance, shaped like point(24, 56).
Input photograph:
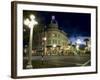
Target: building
point(49, 40)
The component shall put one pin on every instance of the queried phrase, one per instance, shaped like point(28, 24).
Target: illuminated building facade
point(49, 40)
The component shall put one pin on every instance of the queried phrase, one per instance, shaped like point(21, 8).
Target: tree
point(86, 41)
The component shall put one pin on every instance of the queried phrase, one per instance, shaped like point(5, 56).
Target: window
point(58, 35)
point(54, 35)
point(58, 41)
point(54, 41)
point(49, 41)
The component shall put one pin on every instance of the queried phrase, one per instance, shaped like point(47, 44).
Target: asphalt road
point(58, 61)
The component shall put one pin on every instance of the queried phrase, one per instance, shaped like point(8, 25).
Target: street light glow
point(44, 38)
point(24, 30)
point(34, 22)
point(77, 47)
point(30, 23)
point(27, 22)
point(32, 17)
point(54, 45)
point(78, 41)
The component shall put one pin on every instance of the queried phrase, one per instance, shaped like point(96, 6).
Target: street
point(58, 61)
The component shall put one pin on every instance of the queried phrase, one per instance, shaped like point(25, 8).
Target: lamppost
point(44, 47)
point(30, 23)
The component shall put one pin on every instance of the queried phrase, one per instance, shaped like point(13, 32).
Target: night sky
point(74, 24)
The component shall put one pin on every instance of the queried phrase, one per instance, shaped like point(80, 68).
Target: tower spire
point(53, 20)
point(53, 23)
point(53, 17)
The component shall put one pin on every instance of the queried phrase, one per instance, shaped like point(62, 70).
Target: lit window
point(54, 35)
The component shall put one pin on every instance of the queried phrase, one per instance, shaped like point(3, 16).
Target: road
point(58, 61)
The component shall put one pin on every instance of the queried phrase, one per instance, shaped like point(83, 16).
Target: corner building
point(51, 40)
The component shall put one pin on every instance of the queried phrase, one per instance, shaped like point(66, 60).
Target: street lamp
point(30, 23)
point(44, 48)
point(44, 39)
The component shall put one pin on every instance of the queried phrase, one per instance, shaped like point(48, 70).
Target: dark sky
point(74, 24)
